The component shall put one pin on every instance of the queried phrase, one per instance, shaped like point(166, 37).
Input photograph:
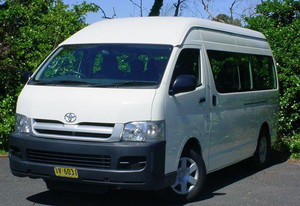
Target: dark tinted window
point(263, 72)
point(235, 72)
point(225, 68)
point(187, 63)
point(244, 72)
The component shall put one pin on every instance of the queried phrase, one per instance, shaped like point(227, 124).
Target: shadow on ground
point(234, 173)
point(215, 181)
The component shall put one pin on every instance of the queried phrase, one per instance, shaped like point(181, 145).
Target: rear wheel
point(189, 181)
point(262, 153)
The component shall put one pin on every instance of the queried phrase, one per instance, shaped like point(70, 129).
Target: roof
point(151, 30)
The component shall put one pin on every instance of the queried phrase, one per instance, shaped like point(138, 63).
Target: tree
point(178, 6)
point(139, 6)
point(222, 17)
point(29, 31)
point(155, 10)
point(227, 19)
point(279, 21)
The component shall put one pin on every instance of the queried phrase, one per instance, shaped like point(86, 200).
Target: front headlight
point(144, 131)
point(22, 123)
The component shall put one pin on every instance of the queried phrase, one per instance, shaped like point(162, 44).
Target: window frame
point(39, 72)
point(200, 61)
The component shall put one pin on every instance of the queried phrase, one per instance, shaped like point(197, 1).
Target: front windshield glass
point(105, 65)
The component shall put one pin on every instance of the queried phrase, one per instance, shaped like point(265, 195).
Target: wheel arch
point(192, 143)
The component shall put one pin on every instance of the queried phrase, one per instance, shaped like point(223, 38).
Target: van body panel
point(236, 118)
point(234, 48)
point(233, 39)
point(183, 123)
point(236, 123)
point(102, 105)
point(153, 30)
point(192, 37)
point(186, 116)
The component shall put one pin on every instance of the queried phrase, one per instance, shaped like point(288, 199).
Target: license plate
point(66, 172)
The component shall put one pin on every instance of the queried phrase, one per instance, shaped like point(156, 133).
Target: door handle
point(214, 100)
point(202, 99)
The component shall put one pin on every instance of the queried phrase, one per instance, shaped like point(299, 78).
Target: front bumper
point(148, 175)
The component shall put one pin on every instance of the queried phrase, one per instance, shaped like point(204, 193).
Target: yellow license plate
point(66, 172)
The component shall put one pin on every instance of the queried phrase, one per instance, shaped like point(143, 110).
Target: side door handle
point(214, 100)
point(202, 99)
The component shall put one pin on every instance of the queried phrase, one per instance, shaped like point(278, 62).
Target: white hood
point(102, 105)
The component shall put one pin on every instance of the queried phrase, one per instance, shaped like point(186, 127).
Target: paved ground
point(279, 184)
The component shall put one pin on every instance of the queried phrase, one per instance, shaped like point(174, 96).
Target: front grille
point(69, 159)
point(82, 131)
point(75, 134)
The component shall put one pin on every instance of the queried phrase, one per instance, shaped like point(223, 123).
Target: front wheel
point(190, 179)
point(51, 185)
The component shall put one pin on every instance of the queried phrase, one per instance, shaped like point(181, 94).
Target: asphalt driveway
point(279, 184)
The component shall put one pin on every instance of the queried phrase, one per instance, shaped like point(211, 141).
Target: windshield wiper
point(126, 83)
point(63, 82)
point(134, 83)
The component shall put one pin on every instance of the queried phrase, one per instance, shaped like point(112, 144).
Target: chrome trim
point(115, 131)
point(73, 128)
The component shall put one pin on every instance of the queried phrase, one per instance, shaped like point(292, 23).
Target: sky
point(193, 8)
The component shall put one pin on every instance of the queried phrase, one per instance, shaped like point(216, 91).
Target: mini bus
point(152, 103)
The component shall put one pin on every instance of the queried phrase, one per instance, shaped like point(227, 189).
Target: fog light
point(132, 163)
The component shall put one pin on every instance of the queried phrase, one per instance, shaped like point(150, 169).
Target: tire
point(52, 185)
point(190, 179)
point(261, 156)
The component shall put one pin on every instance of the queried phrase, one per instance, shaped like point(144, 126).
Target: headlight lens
point(144, 131)
point(22, 123)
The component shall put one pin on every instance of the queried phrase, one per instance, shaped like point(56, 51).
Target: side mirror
point(183, 83)
point(25, 76)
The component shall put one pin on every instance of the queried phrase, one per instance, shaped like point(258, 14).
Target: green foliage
point(98, 63)
point(145, 59)
point(279, 21)
point(29, 31)
point(293, 145)
point(227, 19)
point(3, 152)
point(123, 64)
point(7, 114)
point(66, 62)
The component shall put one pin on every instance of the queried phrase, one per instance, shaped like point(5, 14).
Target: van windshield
point(105, 65)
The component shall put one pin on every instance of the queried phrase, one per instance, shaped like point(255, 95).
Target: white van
point(147, 103)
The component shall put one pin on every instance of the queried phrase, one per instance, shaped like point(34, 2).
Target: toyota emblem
point(70, 117)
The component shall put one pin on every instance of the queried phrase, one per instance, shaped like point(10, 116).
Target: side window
point(187, 63)
point(235, 72)
point(225, 69)
point(263, 72)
